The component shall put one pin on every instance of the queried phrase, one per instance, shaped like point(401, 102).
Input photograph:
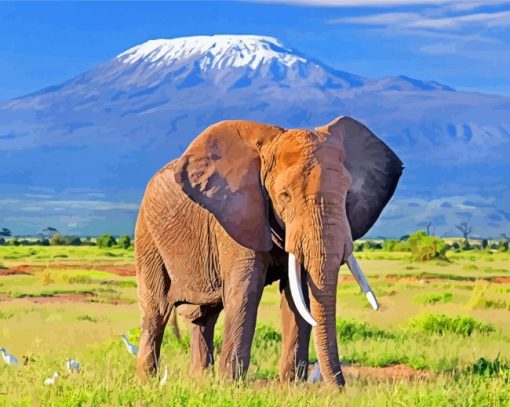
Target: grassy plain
point(442, 336)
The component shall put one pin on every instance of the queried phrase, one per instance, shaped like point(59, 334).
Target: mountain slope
point(106, 131)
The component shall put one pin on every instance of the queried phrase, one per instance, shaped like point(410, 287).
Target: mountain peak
point(214, 51)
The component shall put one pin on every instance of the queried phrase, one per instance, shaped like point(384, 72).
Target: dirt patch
point(354, 372)
point(59, 298)
point(127, 270)
point(75, 297)
point(428, 280)
point(124, 271)
point(396, 372)
point(12, 272)
point(500, 280)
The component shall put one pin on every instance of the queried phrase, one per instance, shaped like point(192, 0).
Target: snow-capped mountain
point(99, 136)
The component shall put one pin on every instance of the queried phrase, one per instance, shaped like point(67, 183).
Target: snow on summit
point(216, 51)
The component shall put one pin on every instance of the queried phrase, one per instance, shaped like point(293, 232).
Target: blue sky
point(464, 44)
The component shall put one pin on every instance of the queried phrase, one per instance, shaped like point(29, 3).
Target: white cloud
point(454, 5)
point(419, 21)
point(500, 19)
point(31, 205)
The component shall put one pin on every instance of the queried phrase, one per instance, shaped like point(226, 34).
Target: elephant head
point(325, 188)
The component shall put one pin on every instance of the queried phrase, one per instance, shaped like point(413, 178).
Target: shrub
point(266, 336)
point(503, 246)
point(349, 330)
point(392, 245)
point(72, 241)
point(56, 240)
point(436, 298)
point(86, 317)
point(106, 241)
point(2, 241)
point(486, 367)
point(443, 324)
point(124, 242)
point(424, 247)
point(369, 245)
point(43, 242)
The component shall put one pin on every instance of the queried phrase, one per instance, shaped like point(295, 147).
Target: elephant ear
point(220, 170)
point(375, 170)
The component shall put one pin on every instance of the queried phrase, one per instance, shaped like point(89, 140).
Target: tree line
point(51, 237)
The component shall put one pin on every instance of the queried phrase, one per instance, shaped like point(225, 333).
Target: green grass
point(443, 324)
point(451, 320)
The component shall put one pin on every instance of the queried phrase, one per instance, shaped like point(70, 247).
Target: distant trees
point(58, 240)
point(429, 224)
point(49, 231)
point(106, 241)
point(124, 242)
point(485, 243)
point(466, 230)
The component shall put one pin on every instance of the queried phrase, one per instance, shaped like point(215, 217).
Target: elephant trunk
point(322, 286)
point(321, 251)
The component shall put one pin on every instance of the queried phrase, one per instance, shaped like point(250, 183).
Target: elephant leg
point(295, 338)
point(242, 292)
point(153, 284)
point(202, 344)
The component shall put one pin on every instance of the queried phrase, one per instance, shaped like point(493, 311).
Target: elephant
point(224, 219)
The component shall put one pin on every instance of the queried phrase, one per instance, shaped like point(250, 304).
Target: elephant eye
point(285, 197)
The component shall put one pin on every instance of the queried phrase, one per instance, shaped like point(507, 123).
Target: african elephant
point(220, 222)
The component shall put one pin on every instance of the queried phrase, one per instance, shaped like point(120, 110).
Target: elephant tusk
point(355, 269)
point(296, 290)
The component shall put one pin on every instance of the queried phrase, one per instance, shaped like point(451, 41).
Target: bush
point(490, 368)
point(436, 298)
point(2, 241)
point(72, 240)
point(369, 245)
point(443, 324)
point(106, 241)
point(56, 240)
point(266, 337)
point(503, 246)
point(424, 247)
point(391, 245)
point(348, 330)
point(124, 242)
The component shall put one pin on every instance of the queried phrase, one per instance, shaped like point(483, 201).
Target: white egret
point(133, 349)
point(50, 381)
point(315, 375)
point(72, 366)
point(8, 358)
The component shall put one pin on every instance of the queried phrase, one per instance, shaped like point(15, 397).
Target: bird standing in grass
point(50, 381)
point(315, 375)
point(164, 379)
point(72, 366)
point(8, 358)
point(133, 349)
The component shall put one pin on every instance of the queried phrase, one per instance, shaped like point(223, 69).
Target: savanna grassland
point(442, 336)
